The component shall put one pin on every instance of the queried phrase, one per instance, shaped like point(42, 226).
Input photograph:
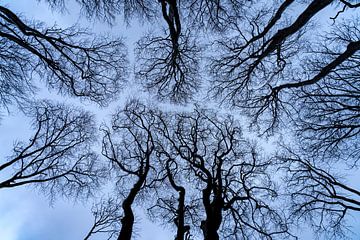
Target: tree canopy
point(280, 66)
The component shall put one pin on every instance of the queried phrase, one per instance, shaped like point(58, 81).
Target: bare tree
point(69, 61)
point(58, 157)
point(107, 217)
point(108, 10)
point(168, 63)
point(280, 70)
point(328, 133)
point(172, 207)
point(160, 153)
point(169, 67)
point(319, 195)
point(213, 15)
point(130, 156)
point(204, 14)
point(329, 115)
point(270, 60)
point(229, 177)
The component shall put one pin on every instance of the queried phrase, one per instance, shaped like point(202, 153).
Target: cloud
point(27, 215)
point(13, 212)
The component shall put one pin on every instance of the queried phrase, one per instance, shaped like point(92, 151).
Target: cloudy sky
point(26, 214)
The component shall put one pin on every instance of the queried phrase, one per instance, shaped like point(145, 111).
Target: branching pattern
point(318, 196)
point(58, 156)
point(68, 60)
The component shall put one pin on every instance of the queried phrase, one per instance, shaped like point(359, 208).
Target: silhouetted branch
point(58, 156)
point(107, 219)
point(130, 155)
point(319, 196)
point(169, 69)
point(69, 60)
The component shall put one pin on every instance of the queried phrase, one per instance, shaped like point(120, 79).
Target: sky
point(25, 213)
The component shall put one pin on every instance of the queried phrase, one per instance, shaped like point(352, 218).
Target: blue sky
point(25, 213)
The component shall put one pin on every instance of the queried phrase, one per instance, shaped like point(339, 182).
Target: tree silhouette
point(130, 157)
point(58, 157)
point(159, 153)
point(272, 64)
point(319, 195)
point(169, 67)
point(107, 217)
point(230, 179)
point(279, 62)
point(70, 61)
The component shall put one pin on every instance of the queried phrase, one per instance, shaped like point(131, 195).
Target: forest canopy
point(220, 79)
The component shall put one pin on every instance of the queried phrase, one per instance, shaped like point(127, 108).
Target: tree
point(159, 153)
point(280, 71)
point(263, 49)
point(317, 194)
point(171, 207)
point(168, 60)
point(70, 61)
point(169, 67)
point(170, 64)
point(58, 157)
point(274, 64)
point(329, 120)
point(130, 157)
point(265, 59)
point(107, 217)
point(229, 178)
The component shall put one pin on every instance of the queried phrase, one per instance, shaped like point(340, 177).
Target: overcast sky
point(25, 213)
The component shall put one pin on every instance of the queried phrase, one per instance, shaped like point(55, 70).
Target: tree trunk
point(211, 224)
point(180, 235)
point(127, 222)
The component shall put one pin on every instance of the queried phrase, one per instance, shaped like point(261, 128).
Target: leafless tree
point(213, 15)
point(319, 195)
point(108, 10)
point(168, 67)
point(329, 115)
point(230, 181)
point(157, 154)
point(70, 61)
point(170, 64)
point(230, 177)
point(328, 133)
point(202, 14)
point(58, 157)
point(172, 207)
point(107, 217)
point(129, 146)
point(281, 70)
point(269, 61)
